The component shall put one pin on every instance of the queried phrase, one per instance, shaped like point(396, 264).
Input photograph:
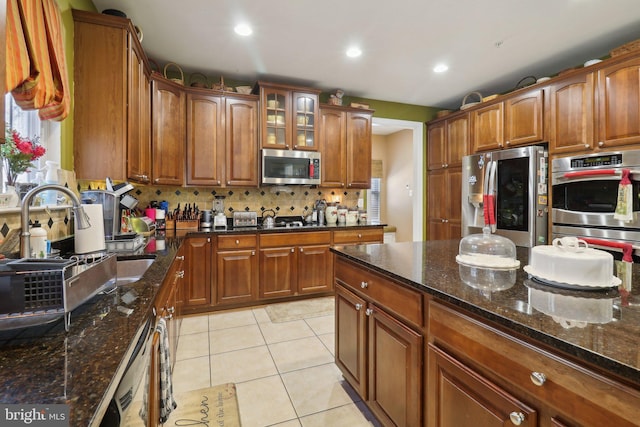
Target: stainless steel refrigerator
point(507, 190)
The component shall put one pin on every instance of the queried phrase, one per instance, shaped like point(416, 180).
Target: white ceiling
point(489, 45)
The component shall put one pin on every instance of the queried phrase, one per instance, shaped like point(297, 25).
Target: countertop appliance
point(507, 190)
point(133, 377)
point(585, 196)
point(290, 167)
point(245, 219)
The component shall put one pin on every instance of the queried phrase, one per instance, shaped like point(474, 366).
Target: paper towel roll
point(90, 239)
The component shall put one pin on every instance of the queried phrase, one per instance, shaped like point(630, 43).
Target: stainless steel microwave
point(290, 167)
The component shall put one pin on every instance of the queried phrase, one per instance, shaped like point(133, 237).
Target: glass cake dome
point(487, 261)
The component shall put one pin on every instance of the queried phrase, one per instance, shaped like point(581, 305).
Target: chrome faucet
point(81, 218)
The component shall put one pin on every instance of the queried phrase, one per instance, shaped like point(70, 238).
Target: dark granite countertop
point(82, 367)
point(305, 227)
point(431, 267)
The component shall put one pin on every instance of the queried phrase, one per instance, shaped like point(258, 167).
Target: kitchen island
point(463, 341)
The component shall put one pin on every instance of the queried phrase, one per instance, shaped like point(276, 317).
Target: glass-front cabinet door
point(275, 109)
point(289, 116)
point(306, 110)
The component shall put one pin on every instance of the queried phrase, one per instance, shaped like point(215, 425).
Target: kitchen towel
point(90, 239)
point(624, 206)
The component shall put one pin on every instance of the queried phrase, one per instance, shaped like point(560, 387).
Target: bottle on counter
point(38, 241)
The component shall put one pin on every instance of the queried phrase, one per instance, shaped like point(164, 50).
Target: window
point(373, 200)
point(29, 125)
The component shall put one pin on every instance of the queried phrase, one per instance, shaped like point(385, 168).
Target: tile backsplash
point(284, 200)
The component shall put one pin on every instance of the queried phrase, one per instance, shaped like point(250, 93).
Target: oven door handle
point(627, 248)
point(581, 174)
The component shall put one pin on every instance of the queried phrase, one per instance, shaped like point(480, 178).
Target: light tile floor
point(284, 373)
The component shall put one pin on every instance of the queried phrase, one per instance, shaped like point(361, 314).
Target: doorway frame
point(418, 170)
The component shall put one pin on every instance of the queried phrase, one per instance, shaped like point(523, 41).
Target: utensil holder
point(189, 224)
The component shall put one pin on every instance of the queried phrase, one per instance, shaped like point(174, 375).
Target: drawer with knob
point(236, 241)
point(357, 236)
point(402, 301)
point(556, 385)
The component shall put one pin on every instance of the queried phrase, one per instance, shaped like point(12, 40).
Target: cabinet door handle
point(180, 257)
point(237, 242)
point(368, 312)
point(292, 250)
point(171, 310)
point(600, 144)
point(359, 236)
point(218, 182)
point(253, 253)
point(301, 249)
point(508, 143)
point(208, 239)
point(342, 184)
point(169, 317)
point(587, 146)
point(358, 307)
point(538, 378)
point(517, 418)
point(364, 285)
point(180, 274)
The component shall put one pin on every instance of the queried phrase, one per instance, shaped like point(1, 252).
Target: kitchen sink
point(131, 270)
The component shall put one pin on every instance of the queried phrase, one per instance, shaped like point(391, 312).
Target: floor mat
point(302, 309)
point(213, 406)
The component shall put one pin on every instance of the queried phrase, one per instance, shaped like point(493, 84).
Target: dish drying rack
point(39, 291)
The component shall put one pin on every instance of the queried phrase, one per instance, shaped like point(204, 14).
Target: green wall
point(66, 127)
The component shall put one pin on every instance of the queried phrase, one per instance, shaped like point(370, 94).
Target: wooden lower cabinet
point(198, 273)
point(459, 397)
point(167, 306)
point(479, 375)
point(236, 269)
point(295, 264)
point(378, 353)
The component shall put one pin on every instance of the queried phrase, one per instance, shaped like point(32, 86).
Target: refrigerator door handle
point(493, 193)
point(485, 195)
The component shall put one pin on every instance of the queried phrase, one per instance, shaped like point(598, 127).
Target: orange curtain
point(35, 33)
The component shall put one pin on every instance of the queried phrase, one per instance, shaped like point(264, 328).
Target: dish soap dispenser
point(38, 241)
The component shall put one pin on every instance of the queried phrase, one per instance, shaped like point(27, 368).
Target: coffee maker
point(113, 202)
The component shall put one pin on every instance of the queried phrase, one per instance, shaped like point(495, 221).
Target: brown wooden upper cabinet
point(524, 120)
point(572, 114)
point(222, 139)
point(344, 136)
point(111, 86)
point(619, 104)
point(168, 140)
point(596, 110)
point(289, 116)
point(448, 142)
point(518, 120)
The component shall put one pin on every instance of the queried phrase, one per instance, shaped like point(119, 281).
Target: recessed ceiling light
point(354, 52)
point(243, 30)
point(440, 68)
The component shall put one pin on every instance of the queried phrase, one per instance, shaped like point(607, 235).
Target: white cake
point(571, 264)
